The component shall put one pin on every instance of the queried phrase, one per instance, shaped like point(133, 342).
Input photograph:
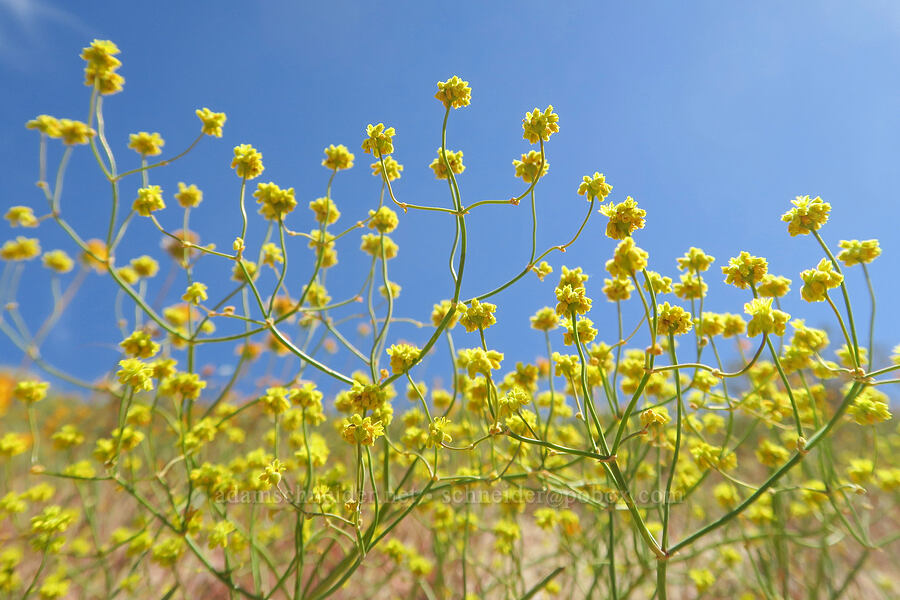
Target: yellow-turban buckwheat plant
point(254, 431)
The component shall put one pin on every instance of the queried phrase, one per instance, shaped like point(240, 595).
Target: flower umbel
point(539, 125)
point(454, 92)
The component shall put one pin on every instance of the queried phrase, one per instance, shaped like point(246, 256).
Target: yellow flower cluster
point(478, 315)
point(212, 122)
point(454, 159)
point(594, 187)
point(275, 202)
point(149, 200)
point(673, 319)
point(532, 166)
point(479, 361)
point(247, 162)
point(745, 270)
point(30, 391)
point(403, 357)
point(454, 93)
point(392, 169)
point(817, 282)
point(325, 210)
point(627, 260)
point(539, 125)
point(58, 261)
point(188, 196)
point(338, 158)
point(21, 216)
point(100, 71)
point(139, 345)
point(146, 144)
point(21, 248)
point(383, 220)
point(856, 252)
point(765, 319)
point(808, 215)
point(624, 218)
point(379, 140)
point(695, 260)
point(361, 431)
point(773, 286)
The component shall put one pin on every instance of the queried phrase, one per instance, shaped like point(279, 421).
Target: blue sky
point(711, 115)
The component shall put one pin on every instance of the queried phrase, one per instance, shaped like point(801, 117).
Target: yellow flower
point(542, 270)
point(403, 357)
point(772, 454)
point(673, 319)
point(744, 270)
point(437, 434)
point(373, 244)
point(75, 132)
point(703, 579)
point(30, 392)
point(100, 71)
point(96, 256)
point(627, 260)
point(617, 289)
point(58, 260)
point(379, 141)
point(439, 312)
point(149, 200)
point(188, 195)
point(817, 282)
point(392, 168)
point(271, 475)
point(21, 216)
point(695, 259)
point(139, 345)
point(545, 319)
point(733, 325)
point(569, 299)
point(272, 254)
point(539, 125)
point(624, 218)
point(691, 287)
point(46, 124)
point(806, 216)
point(146, 144)
point(594, 187)
point(22, 248)
point(585, 329)
point(869, 407)
point(383, 220)
point(764, 319)
point(338, 157)
point(145, 266)
point(478, 315)
point(726, 495)
point(531, 167)
point(195, 293)
point(857, 252)
point(454, 159)
point(135, 373)
point(773, 286)
point(237, 273)
point(454, 92)
point(479, 361)
point(128, 275)
point(276, 202)
point(247, 162)
point(361, 431)
point(212, 122)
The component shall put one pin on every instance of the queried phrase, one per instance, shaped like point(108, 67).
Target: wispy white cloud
point(24, 28)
